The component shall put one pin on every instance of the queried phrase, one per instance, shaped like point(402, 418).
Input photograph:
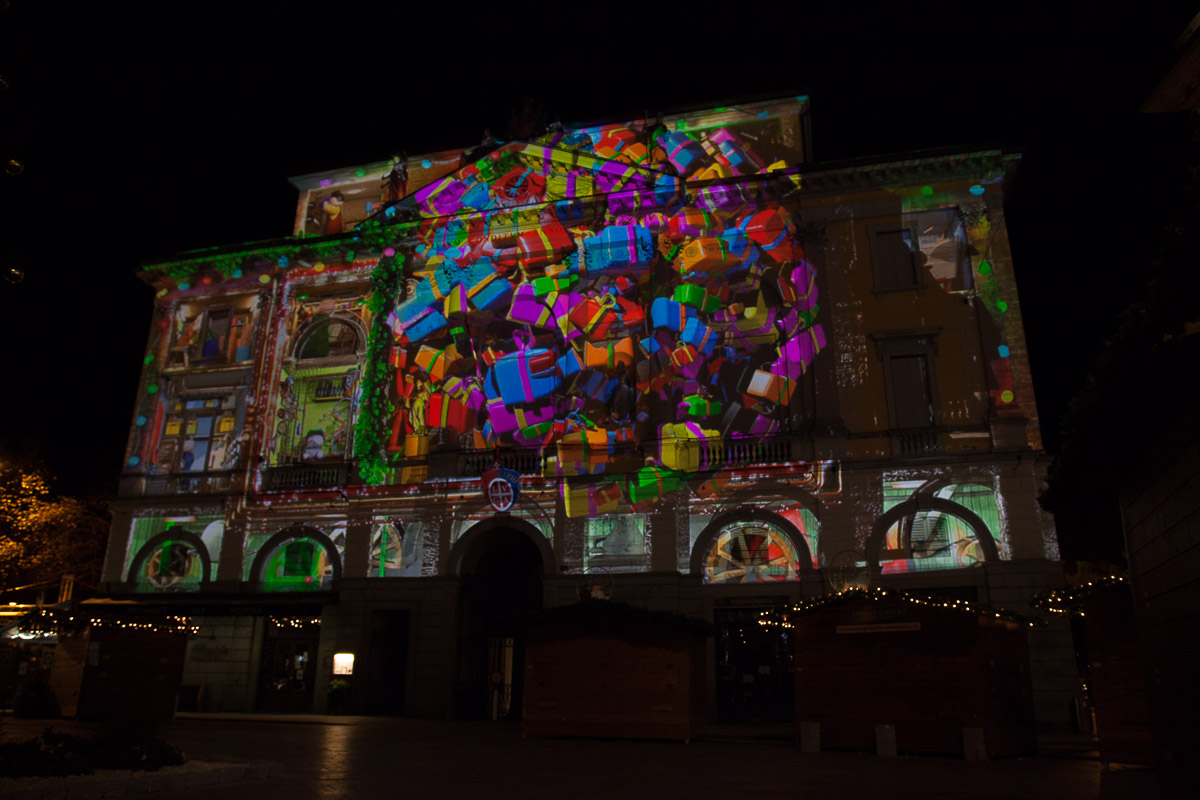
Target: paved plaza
point(323, 757)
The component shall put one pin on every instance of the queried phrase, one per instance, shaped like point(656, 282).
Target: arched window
point(751, 552)
point(301, 564)
point(938, 539)
point(173, 561)
point(328, 337)
point(395, 550)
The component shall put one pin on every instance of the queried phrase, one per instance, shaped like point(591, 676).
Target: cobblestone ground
point(373, 757)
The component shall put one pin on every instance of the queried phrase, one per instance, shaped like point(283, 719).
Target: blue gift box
point(669, 314)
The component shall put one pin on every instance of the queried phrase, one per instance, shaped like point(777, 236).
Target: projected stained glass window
point(752, 552)
point(174, 566)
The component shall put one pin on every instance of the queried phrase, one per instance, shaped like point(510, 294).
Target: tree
point(44, 535)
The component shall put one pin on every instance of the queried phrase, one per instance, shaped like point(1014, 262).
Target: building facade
point(666, 362)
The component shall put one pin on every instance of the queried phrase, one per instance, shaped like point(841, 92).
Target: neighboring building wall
point(1160, 510)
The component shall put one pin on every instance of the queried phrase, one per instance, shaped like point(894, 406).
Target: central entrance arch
point(501, 563)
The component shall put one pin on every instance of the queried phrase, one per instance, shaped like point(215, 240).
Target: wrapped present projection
point(610, 318)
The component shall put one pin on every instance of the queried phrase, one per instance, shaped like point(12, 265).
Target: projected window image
point(752, 552)
point(300, 565)
point(936, 540)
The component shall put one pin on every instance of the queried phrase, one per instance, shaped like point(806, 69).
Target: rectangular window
point(298, 560)
point(894, 259)
point(911, 390)
point(908, 359)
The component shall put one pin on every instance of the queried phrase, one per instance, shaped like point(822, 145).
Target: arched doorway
point(501, 563)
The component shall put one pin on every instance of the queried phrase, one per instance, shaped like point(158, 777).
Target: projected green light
point(1002, 306)
point(985, 268)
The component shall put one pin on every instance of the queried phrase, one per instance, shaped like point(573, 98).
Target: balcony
point(475, 463)
point(305, 477)
point(748, 452)
point(176, 483)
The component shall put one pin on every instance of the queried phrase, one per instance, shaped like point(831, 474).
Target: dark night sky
point(150, 131)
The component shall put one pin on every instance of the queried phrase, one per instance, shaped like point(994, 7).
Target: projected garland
point(626, 327)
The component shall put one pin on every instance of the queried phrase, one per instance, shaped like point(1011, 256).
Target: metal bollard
point(810, 737)
point(885, 741)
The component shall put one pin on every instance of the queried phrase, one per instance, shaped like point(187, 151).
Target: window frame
point(922, 342)
point(919, 283)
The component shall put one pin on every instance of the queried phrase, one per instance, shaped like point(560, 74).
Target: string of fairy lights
point(295, 622)
point(782, 617)
point(48, 621)
point(1068, 600)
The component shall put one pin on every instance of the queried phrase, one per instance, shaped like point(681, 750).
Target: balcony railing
point(302, 477)
point(187, 483)
point(747, 452)
point(524, 462)
point(917, 442)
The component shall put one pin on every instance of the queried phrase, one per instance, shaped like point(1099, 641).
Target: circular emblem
point(500, 494)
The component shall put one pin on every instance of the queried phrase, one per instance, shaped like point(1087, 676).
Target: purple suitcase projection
point(725, 199)
point(796, 354)
point(796, 321)
point(510, 418)
point(529, 308)
point(804, 280)
point(441, 197)
point(735, 153)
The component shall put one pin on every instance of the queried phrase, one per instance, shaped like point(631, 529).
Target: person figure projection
point(328, 218)
point(395, 183)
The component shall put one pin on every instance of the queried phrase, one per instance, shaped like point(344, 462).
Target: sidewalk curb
point(107, 783)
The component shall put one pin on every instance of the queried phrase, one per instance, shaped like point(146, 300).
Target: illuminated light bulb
point(14, 274)
point(14, 167)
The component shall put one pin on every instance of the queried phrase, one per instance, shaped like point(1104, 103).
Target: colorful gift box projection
point(626, 335)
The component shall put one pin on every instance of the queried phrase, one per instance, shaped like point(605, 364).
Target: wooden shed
point(605, 669)
point(937, 675)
